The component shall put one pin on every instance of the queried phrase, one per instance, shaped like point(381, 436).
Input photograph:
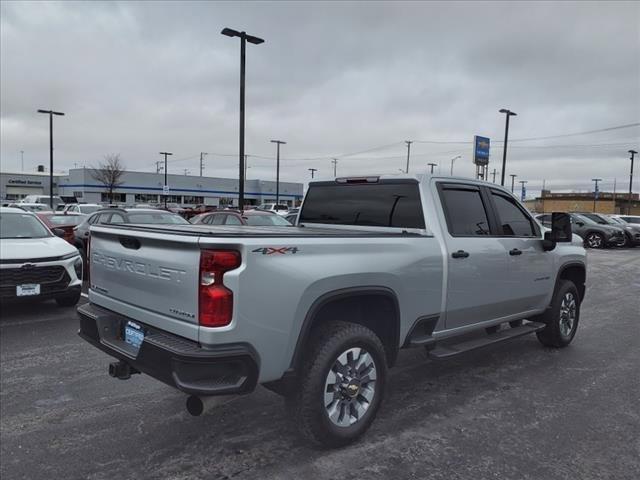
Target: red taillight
point(216, 300)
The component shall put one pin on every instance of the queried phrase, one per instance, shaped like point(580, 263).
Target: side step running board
point(446, 351)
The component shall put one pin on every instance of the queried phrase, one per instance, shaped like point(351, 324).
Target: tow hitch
point(121, 370)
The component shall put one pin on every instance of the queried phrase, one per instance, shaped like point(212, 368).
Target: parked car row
point(601, 231)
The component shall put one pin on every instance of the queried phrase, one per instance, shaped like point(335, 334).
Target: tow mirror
point(58, 232)
point(560, 231)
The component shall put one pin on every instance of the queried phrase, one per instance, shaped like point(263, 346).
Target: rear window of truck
point(375, 205)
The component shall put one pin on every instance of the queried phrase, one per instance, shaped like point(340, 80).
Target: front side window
point(514, 222)
point(465, 211)
point(233, 220)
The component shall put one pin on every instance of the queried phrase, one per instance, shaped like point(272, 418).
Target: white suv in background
point(82, 208)
point(35, 263)
point(280, 209)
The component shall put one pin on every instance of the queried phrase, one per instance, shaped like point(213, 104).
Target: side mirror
point(58, 232)
point(560, 231)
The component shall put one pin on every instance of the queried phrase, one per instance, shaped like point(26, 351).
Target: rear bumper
point(176, 361)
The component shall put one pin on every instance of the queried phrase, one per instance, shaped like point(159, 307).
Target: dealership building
point(144, 187)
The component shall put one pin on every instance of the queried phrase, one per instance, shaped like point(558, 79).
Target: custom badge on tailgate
point(275, 250)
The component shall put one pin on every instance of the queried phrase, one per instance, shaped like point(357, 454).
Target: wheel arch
point(374, 307)
point(577, 273)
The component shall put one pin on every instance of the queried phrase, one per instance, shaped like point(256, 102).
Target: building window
point(146, 198)
point(77, 194)
point(191, 200)
point(171, 198)
point(117, 197)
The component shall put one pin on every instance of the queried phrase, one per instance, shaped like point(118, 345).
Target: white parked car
point(32, 207)
point(82, 208)
point(44, 199)
point(35, 263)
point(280, 209)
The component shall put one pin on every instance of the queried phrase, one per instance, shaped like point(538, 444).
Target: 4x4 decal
point(274, 250)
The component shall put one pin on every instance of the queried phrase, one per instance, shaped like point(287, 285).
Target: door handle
point(460, 254)
point(515, 251)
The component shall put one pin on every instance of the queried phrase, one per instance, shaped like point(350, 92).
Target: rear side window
point(233, 220)
point(465, 211)
point(375, 205)
point(514, 222)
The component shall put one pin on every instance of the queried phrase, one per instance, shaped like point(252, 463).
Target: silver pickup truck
point(318, 311)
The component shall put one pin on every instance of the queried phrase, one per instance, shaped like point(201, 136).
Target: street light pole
point(522, 182)
point(202, 154)
point(244, 38)
point(335, 167)
point(432, 165)
point(513, 180)
point(494, 175)
point(313, 171)
point(278, 143)
point(508, 113)
point(453, 160)
point(51, 113)
point(633, 153)
point(165, 177)
point(22, 160)
point(595, 192)
point(408, 142)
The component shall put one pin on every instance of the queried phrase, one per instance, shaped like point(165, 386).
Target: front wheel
point(562, 316)
point(595, 240)
point(341, 386)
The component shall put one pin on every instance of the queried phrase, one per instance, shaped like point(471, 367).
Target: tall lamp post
point(595, 192)
point(432, 165)
point(244, 38)
point(408, 142)
point(453, 160)
point(164, 192)
point(278, 143)
point(313, 171)
point(513, 181)
point(51, 113)
point(508, 114)
point(633, 153)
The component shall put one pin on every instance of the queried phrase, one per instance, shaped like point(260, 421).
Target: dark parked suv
point(631, 232)
point(594, 234)
point(109, 216)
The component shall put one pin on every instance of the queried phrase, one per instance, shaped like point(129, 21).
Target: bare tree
point(109, 173)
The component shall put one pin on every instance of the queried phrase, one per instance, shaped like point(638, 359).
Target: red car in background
point(64, 221)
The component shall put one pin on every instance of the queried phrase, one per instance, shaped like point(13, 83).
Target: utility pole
point(22, 160)
point(51, 113)
point(408, 142)
point(165, 187)
point(312, 170)
point(202, 154)
point(432, 165)
point(494, 175)
point(632, 152)
point(522, 189)
point(246, 165)
point(186, 172)
point(244, 38)
point(278, 143)
point(335, 165)
point(513, 181)
point(508, 113)
point(595, 192)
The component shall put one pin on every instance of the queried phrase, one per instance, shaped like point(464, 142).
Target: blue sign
point(481, 150)
point(523, 193)
point(597, 191)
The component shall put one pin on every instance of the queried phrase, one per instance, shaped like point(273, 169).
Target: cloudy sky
point(332, 80)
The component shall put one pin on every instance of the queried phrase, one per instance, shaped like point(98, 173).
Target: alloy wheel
point(350, 387)
point(568, 310)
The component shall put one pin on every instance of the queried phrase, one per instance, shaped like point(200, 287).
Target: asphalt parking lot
point(518, 411)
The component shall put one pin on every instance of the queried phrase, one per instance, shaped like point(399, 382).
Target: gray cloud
point(332, 78)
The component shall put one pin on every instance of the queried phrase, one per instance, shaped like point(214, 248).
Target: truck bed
point(266, 231)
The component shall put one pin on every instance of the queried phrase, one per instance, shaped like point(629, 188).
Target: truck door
point(530, 267)
point(477, 279)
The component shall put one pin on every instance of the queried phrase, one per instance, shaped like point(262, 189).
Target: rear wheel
point(595, 240)
point(341, 386)
point(562, 316)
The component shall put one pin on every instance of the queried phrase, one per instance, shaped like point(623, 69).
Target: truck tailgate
point(146, 276)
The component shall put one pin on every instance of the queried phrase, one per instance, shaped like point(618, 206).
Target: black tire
point(594, 240)
point(68, 300)
point(306, 402)
point(555, 333)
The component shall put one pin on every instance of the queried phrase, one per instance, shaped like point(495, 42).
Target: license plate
point(133, 334)
point(28, 289)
